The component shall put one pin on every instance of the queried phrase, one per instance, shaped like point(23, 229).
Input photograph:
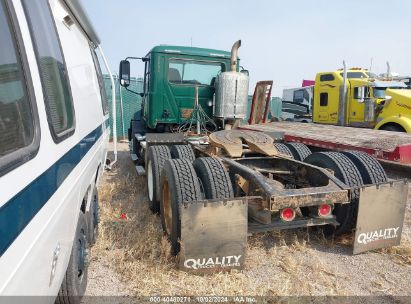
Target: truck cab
point(369, 102)
point(172, 75)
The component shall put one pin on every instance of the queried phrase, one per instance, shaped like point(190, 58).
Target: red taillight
point(287, 214)
point(324, 210)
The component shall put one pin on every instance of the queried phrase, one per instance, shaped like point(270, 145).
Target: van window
point(52, 67)
point(327, 77)
point(100, 80)
point(193, 72)
point(19, 126)
point(16, 118)
point(323, 99)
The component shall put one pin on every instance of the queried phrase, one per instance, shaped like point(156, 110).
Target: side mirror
point(124, 73)
point(388, 98)
point(359, 94)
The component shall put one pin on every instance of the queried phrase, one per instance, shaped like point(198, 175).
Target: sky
point(285, 41)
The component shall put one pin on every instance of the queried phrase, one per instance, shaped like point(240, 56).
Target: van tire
point(299, 150)
point(93, 216)
point(214, 178)
point(179, 183)
point(370, 169)
point(283, 149)
point(157, 156)
point(182, 152)
point(346, 171)
point(74, 285)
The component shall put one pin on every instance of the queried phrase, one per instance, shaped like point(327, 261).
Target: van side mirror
point(359, 94)
point(124, 73)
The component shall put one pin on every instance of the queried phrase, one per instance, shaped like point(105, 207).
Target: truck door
point(326, 99)
point(355, 106)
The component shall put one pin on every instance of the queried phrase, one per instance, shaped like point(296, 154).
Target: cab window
point(193, 72)
point(356, 75)
point(327, 77)
point(379, 92)
point(298, 96)
point(323, 99)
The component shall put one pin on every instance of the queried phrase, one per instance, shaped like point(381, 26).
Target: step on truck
point(213, 183)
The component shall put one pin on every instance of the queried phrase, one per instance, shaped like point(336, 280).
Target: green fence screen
point(128, 104)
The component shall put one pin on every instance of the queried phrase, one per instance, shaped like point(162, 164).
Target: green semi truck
point(213, 183)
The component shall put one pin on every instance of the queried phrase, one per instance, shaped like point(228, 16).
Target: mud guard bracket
point(380, 216)
point(213, 235)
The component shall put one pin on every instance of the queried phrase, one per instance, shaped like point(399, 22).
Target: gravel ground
point(132, 258)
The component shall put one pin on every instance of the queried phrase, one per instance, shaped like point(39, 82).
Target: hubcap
point(167, 213)
point(150, 182)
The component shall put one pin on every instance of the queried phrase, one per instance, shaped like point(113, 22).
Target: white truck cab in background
point(297, 104)
point(54, 132)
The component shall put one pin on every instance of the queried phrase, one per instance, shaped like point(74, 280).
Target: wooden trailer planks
point(384, 145)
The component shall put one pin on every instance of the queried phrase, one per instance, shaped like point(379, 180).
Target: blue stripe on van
point(23, 207)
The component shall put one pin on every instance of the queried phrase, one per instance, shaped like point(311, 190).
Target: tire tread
point(214, 177)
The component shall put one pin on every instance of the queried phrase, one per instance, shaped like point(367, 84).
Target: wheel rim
point(150, 182)
point(167, 212)
point(82, 255)
point(96, 215)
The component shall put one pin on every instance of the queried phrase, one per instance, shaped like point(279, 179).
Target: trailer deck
point(384, 145)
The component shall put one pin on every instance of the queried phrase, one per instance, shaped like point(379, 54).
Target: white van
point(54, 132)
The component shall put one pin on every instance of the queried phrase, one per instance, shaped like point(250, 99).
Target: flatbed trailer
point(390, 148)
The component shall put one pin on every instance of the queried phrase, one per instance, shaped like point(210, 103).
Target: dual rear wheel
point(355, 169)
point(179, 177)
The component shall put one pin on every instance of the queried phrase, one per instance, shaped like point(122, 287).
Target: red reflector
point(287, 214)
point(324, 210)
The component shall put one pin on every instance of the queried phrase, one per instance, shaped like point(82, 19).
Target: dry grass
point(277, 264)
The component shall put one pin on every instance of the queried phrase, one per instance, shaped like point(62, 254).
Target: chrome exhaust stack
point(234, 55)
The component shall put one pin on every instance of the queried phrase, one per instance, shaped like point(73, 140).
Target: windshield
point(193, 72)
point(353, 75)
point(379, 92)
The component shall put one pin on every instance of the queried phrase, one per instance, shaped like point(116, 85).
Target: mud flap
point(380, 216)
point(213, 235)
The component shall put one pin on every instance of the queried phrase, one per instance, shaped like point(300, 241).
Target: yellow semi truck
point(356, 98)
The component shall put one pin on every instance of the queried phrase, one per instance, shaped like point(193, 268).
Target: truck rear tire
point(179, 183)
point(75, 280)
point(299, 150)
point(370, 169)
point(214, 178)
point(182, 152)
point(157, 156)
point(346, 171)
point(283, 149)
